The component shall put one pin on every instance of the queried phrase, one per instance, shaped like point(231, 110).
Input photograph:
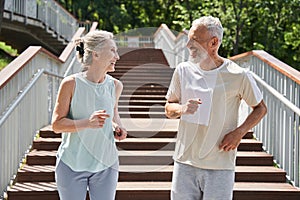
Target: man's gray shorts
point(192, 183)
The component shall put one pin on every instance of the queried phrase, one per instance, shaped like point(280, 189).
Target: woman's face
point(108, 55)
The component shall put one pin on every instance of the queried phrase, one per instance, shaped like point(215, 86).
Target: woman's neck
point(95, 74)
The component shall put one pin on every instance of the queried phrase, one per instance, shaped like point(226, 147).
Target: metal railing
point(28, 89)
point(49, 12)
point(134, 41)
point(174, 48)
point(279, 130)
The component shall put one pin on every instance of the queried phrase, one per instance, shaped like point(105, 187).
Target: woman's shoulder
point(69, 81)
point(114, 80)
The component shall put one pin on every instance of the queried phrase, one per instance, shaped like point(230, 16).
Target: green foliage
point(4, 62)
point(7, 54)
point(8, 49)
point(271, 25)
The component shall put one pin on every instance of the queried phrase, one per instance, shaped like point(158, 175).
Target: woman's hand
point(120, 133)
point(97, 119)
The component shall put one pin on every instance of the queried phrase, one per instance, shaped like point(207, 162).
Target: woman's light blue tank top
point(91, 150)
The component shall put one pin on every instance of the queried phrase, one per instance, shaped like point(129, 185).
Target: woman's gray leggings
point(73, 185)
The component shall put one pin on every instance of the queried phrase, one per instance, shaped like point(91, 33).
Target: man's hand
point(191, 106)
point(174, 109)
point(231, 140)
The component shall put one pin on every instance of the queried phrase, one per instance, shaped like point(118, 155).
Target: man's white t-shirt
point(221, 91)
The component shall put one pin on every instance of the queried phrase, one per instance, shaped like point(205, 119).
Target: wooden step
point(46, 173)
point(47, 132)
point(33, 191)
point(141, 62)
point(142, 143)
point(161, 190)
point(250, 145)
point(259, 174)
point(36, 157)
point(131, 133)
point(46, 143)
point(143, 78)
point(265, 191)
point(146, 87)
point(158, 191)
point(145, 91)
point(164, 173)
point(146, 157)
point(142, 82)
point(142, 97)
point(147, 144)
point(254, 158)
point(139, 114)
point(244, 158)
point(147, 66)
point(125, 74)
point(142, 133)
point(151, 134)
point(142, 102)
point(36, 173)
point(153, 108)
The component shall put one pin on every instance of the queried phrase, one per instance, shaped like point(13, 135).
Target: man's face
point(198, 43)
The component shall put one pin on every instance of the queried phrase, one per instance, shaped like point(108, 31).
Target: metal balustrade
point(49, 12)
point(28, 89)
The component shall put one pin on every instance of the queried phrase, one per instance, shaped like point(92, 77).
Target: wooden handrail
point(69, 48)
point(17, 64)
point(94, 26)
point(169, 32)
point(273, 62)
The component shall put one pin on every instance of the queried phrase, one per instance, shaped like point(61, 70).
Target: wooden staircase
point(146, 155)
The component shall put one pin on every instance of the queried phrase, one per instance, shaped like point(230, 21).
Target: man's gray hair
point(212, 24)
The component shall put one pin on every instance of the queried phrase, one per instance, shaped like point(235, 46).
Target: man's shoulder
point(184, 64)
point(185, 67)
point(234, 68)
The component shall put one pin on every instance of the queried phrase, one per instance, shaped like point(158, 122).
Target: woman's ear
point(95, 54)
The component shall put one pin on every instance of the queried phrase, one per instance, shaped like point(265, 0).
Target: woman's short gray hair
point(212, 24)
point(93, 41)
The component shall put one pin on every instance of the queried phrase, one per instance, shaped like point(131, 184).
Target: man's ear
point(214, 42)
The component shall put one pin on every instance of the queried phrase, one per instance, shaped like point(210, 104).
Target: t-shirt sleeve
point(249, 90)
point(174, 91)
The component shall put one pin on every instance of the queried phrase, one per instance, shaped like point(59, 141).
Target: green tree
point(271, 25)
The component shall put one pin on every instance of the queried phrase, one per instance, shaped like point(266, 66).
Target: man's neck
point(211, 64)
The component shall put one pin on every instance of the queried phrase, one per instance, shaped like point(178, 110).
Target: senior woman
point(86, 113)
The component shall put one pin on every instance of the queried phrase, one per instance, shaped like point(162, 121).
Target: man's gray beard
point(195, 60)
